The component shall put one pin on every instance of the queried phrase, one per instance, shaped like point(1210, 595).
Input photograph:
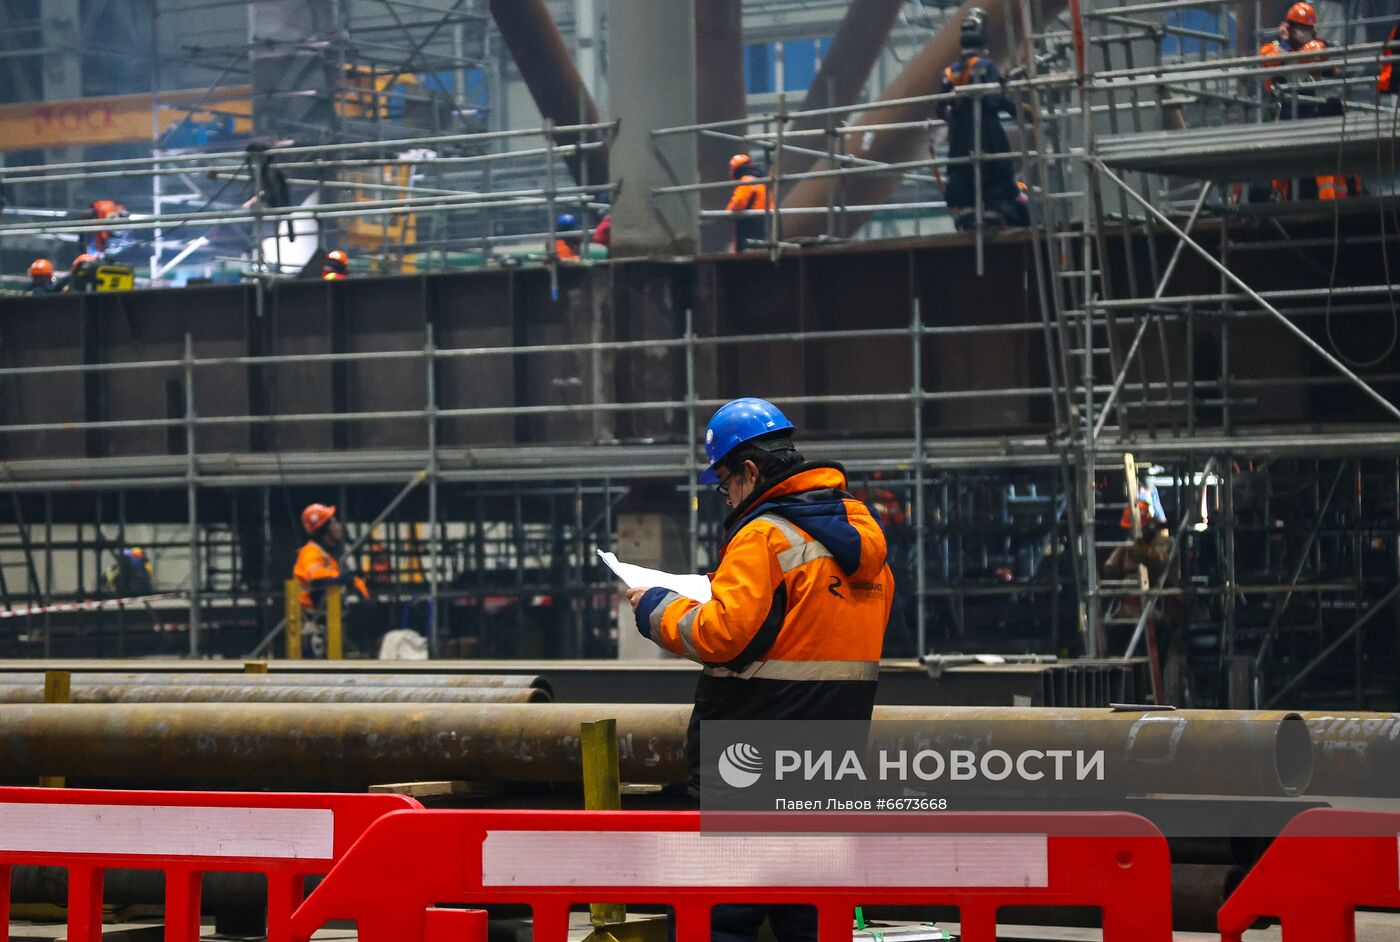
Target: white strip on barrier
point(168, 830)
point(687, 858)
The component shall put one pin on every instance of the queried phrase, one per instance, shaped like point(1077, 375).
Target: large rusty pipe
point(549, 72)
point(341, 745)
point(504, 681)
point(845, 68)
point(922, 76)
point(274, 693)
point(333, 746)
point(1355, 753)
point(1192, 752)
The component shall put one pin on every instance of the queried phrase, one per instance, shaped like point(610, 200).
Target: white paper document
point(690, 585)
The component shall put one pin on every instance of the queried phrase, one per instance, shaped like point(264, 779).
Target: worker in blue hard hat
point(567, 238)
point(797, 613)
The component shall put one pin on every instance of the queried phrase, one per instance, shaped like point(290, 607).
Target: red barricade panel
point(551, 860)
point(1315, 874)
point(184, 834)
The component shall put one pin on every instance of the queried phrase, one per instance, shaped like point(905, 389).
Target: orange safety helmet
point(1302, 14)
point(314, 517)
point(41, 267)
point(85, 258)
point(337, 256)
point(737, 163)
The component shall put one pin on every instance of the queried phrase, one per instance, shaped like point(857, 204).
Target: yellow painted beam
point(116, 119)
point(291, 597)
point(58, 688)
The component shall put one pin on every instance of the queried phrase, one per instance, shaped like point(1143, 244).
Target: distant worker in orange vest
point(603, 234)
point(1292, 99)
point(1297, 33)
point(41, 277)
point(100, 210)
point(337, 266)
point(1385, 84)
point(567, 238)
point(1003, 199)
point(317, 566)
point(750, 196)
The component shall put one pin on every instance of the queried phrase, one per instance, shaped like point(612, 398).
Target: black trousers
point(740, 922)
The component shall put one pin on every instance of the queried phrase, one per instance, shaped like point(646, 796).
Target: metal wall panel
point(41, 332)
point(386, 314)
point(298, 321)
point(472, 311)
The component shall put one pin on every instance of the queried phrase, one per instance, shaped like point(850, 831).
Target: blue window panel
point(1208, 21)
point(799, 64)
point(760, 69)
point(445, 81)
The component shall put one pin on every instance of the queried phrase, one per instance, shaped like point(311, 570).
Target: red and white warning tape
point(24, 610)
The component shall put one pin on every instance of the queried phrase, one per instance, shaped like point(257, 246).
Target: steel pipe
point(1355, 753)
point(287, 679)
point(275, 693)
point(549, 72)
point(334, 746)
point(923, 76)
point(855, 49)
point(349, 746)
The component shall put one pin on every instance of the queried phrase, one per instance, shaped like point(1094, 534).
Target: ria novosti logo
point(740, 765)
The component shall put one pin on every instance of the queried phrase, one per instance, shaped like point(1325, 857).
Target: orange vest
point(564, 251)
point(313, 564)
point(749, 194)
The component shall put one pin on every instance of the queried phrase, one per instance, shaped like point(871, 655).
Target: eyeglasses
point(722, 488)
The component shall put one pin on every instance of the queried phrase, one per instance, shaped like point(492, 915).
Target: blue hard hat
point(735, 423)
point(566, 221)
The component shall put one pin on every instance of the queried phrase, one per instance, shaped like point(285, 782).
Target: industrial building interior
point(1141, 449)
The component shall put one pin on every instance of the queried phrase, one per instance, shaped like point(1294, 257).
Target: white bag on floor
point(403, 644)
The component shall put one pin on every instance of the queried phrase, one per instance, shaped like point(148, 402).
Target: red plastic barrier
point(410, 862)
point(1316, 873)
point(287, 837)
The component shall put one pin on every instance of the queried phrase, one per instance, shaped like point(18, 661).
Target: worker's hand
point(635, 596)
point(361, 588)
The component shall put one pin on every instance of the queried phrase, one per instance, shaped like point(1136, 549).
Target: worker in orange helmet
point(1293, 99)
point(101, 210)
point(1297, 33)
point(337, 266)
point(749, 197)
point(41, 277)
point(83, 276)
point(317, 566)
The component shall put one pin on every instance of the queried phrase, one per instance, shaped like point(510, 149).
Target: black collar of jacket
point(744, 512)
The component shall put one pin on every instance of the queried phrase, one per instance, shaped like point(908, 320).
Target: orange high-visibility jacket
point(800, 603)
point(316, 569)
point(749, 194)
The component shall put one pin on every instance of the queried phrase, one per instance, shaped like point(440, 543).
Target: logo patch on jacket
point(835, 584)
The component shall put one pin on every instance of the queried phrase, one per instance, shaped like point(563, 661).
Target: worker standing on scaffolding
point(317, 567)
point(749, 198)
point(1291, 99)
point(1003, 201)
